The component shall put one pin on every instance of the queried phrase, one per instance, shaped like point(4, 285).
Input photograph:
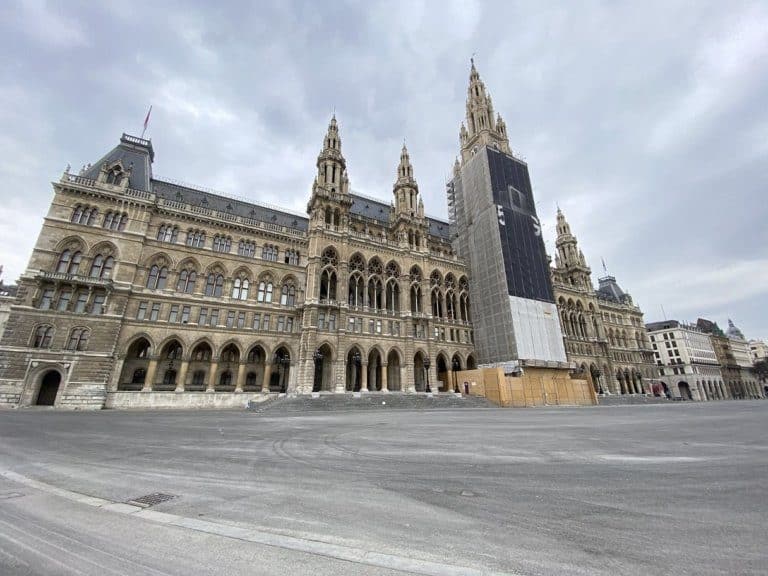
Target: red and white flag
point(146, 121)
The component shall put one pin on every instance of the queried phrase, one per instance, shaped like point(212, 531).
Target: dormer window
point(115, 176)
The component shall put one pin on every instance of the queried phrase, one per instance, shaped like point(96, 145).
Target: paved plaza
point(661, 489)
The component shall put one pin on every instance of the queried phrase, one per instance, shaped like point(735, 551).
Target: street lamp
point(318, 358)
point(456, 366)
point(280, 359)
point(427, 364)
point(357, 362)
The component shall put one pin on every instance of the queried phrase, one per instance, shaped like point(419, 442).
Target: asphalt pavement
point(659, 489)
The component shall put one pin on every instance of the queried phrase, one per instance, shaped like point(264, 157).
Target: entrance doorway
point(49, 387)
point(685, 390)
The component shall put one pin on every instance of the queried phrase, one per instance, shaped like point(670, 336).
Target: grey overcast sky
point(646, 121)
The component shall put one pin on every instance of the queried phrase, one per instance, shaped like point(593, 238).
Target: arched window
point(169, 378)
point(246, 248)
point(214, 285)
point(222, 243)
point(77, 213)
point(356, 290)
point(375, 292)
point(292, 256)
point(187, 280)
point(115, 176)
point(240, 288)
point(157, 277)
point(288, 295)
point(101, 267)
point(43, 337)
point(114, 221)
point(69, 262)
point(195, 238)
point(265, 292)
point(225, 379)
point(168, 233)
point(393, 296)
point(78, 339)
point(437, 303)
point(328, 284)
point(269, 252)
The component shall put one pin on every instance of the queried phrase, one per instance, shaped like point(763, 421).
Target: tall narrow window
point(97, 307)
point(80, 303)
point(214, 285)
point(43, 337)
point(64, 297)
point(78, 339)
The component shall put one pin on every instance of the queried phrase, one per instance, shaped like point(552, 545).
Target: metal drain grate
point(151, 499)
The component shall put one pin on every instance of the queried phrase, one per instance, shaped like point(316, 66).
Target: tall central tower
point(493, 213)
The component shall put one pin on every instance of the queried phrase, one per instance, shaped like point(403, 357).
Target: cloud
point(724, 69)
point(646, 123)
point(53, 28)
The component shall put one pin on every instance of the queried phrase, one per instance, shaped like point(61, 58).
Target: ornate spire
point(569, 259)
point(406, 190)
point(483, 128)
point(331, 166)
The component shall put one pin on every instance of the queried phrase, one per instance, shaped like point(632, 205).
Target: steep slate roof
point(180, 193)
point(377, 210)
point(610, 290)
point(136, 154)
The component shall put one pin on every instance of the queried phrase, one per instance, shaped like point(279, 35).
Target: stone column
point(364, 371)
point(240, 377)
point(339, 383)
point(384, 387)
point(150, 378)
point(211, 384)
point(267, 377)
point(182, 377)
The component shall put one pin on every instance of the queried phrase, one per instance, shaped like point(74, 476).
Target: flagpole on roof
point(146, 122)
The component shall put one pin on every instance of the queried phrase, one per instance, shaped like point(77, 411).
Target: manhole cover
point(151, 499)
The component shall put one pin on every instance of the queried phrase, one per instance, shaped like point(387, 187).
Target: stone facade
point(603, 329)
point(146, 292)
point(688, 362)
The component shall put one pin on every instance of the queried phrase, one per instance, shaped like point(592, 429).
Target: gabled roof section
point(135, 154)
point(182, 193)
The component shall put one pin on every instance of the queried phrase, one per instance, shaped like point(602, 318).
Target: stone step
point(630, 399)
point(367, 401)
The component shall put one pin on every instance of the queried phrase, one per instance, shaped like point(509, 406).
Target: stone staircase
point(84, 397)
point(630, 400)
point(367, 401)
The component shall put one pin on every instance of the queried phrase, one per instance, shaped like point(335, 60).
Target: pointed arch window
point(356, 290)
point(214, 285)
point(269, 252)
point(158, 277)
point(292, 257)
point(195, 239)
point(115, 176)
point(168, 233)
point(43, 337)
point(69, 262)
point(288, 295)
point(187, 280)
point(246, 248)
point(78, 339)
point(240, 288)
point(222, 243)
point(101, 267)
point(115, 221)
point(327, 284)
point(264, 293)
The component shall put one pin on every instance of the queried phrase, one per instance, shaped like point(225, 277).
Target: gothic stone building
point(603, 329)
point(145, 292)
